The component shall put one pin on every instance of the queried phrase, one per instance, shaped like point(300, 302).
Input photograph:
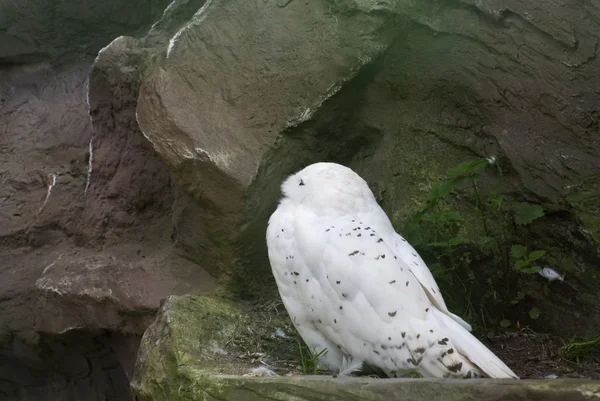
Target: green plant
point(310, 360)
point(526, 213)
point(574, 350)
point(439, 228)
point(524, 261)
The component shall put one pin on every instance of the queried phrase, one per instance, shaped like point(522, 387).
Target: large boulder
point(237, 96)
point(79, 281)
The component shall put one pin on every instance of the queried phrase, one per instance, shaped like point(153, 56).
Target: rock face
point(398, 92)
point(150, 167)
point(80, 280)
point(184, 356)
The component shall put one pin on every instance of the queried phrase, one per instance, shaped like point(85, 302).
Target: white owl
point(355, 287)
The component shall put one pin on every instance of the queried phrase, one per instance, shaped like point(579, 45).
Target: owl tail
point(472, 349)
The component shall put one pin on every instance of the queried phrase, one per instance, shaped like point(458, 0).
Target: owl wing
point(422, 273)
point(362, 297)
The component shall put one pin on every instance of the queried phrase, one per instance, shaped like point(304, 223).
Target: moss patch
point(195, 338)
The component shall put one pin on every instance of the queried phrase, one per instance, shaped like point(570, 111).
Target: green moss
point(182, 350)
point(585, 199)
point(591, 223)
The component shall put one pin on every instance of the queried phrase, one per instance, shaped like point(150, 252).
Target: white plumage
point(352, 285)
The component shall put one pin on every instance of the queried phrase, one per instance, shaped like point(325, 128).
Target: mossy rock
point(183, 356)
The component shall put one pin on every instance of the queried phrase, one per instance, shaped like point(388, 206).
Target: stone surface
point(399, 92)
point(76, 272)
point(36, 30)
point(327, 388)
point(185, 355)
point(217, 92)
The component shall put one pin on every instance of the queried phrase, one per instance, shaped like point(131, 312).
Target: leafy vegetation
point(575, 350)
point(491, 226)
point(310, 360)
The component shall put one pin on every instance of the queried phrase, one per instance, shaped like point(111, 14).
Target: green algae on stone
point(183, 348)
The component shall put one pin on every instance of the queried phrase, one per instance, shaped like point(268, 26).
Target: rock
point(215, 97)
point(34, 31)
point(184, 355)
point(76, 270)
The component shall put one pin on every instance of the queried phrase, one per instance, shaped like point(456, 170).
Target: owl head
point(327, 188)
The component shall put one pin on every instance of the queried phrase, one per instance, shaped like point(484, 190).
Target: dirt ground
point(534, 355)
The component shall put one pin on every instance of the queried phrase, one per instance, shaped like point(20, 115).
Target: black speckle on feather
point(380, 240)
point(403, 334)
point(392, 282)
point(337, 282)
point(392, 314)
point(372, 235)
point(296, 273)
point(420, 350)
point(451, 351)
point(414, 361)
point(418, 336)
point(456, 367)
point(407, 283)
point(443, 341)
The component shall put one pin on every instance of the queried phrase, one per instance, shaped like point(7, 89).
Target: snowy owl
point(356, 288)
